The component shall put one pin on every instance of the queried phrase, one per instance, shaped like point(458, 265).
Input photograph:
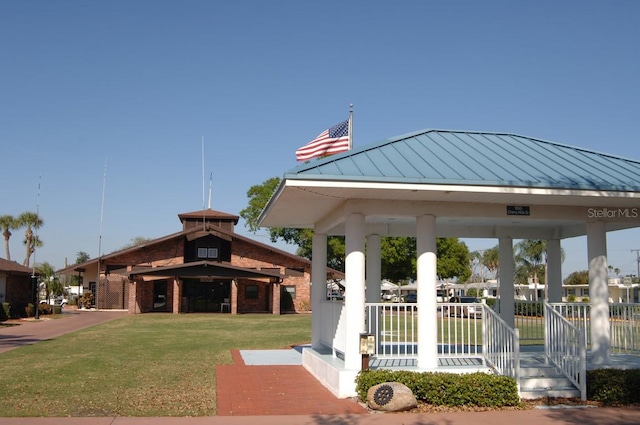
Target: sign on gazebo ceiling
point(518, 210)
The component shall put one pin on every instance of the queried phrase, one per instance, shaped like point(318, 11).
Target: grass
point(142, 365)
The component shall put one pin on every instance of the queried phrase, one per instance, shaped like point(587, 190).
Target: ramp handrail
point(565, 347)
point(500, 345)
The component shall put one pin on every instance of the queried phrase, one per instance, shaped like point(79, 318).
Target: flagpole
point(350, 126)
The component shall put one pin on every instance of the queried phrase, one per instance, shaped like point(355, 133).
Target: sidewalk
point(590, 416)
point(31, 332)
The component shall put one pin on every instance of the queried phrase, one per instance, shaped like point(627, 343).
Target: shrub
point(447, 389)
point(5, 311)
point(44, 309)
point(86, 301)
point(614, 387)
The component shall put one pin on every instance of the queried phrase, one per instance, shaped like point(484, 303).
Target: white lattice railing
point(565, 347)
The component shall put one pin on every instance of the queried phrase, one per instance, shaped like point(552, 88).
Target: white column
point(318, 285)
point(505, 274)
point(354, 291)
point(553, 281)
point(374, 272)
point(427, 279)
point(598, 293)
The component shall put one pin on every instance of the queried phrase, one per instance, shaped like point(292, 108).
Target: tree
point(531, 259)
point(453, 259)
point(398, 256)
point(8, 223)
point(32, 222)
point(137, 241)
point(578, 278)
point(82, 257)
point(477, 268)
point(259, 196)
point(531, 256)
point(48, 278)
point(491, 259)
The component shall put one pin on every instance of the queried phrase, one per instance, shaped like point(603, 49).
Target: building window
point(251, 292)
point(207, 252)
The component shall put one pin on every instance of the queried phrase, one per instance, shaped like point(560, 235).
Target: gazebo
point(437, 183)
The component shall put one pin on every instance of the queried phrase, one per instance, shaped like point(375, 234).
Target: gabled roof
point(188, 233)
point(477, 158)
point(13, 267)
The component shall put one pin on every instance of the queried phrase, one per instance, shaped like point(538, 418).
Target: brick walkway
point(275, 390)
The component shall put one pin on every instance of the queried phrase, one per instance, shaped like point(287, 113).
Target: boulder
point(391, 397)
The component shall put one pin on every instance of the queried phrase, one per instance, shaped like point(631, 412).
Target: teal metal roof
point(476, 158)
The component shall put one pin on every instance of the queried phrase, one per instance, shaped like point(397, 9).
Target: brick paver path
point(275, 390)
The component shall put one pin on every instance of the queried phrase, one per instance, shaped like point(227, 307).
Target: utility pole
point(637, 251)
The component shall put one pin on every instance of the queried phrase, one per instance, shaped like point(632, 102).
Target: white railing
point(395, 326)
point(459, 333)
point(565, 347)
point(501, 345)
point(625, 328)
point(624, 322)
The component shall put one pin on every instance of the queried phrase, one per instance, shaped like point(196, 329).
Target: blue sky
point(136, 85)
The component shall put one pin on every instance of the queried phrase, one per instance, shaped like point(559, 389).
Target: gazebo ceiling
point(504, 185)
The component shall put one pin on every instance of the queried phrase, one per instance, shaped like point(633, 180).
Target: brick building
point(15, 286)
point(206, 267)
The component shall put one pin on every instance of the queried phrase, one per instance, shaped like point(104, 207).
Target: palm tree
point(48, 278)
point(491, 259)
point(532, 256)
point(32, 222)
point(7, 223)
point(532, 253)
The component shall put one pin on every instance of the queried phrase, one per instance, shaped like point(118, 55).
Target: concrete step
point(552, 393)
point(545, 381)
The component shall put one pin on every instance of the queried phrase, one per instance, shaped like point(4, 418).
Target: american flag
point(333, 140)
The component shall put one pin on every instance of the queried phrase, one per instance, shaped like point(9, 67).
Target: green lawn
point(142, 365)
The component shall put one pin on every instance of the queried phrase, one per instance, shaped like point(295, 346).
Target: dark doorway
point(160, 295)
point(206, 296)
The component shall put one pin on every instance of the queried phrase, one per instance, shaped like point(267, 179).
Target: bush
point(43, 309)
point(5, 311)
point(86, 301)
point(447, 389)
point(614, 387)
